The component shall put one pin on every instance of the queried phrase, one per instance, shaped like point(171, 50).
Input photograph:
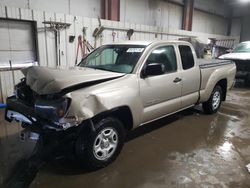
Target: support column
point(110, 10)
point(188, 15)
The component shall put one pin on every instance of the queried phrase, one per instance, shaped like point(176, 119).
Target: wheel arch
point(122, 113)
point(223, 84)
point(207, 91)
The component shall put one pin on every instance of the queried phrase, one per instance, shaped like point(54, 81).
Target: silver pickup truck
point(115, 89)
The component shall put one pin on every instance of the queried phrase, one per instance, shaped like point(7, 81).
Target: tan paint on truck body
point(133, 91)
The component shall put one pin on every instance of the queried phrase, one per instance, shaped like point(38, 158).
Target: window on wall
point(187, 57)
point(164, 55)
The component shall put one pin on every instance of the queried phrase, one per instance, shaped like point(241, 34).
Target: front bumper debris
point(10, 115)
point(19, 111)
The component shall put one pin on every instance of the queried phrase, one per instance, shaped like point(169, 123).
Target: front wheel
point(213, 104)
point(102, 146)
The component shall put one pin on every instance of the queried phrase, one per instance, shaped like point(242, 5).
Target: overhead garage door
point(17, 42)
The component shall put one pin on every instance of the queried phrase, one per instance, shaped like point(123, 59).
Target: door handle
point(176, 80)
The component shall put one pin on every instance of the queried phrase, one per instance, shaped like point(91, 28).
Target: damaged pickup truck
point(115, 89)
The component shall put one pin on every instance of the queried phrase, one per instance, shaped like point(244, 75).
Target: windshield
point(115, 58)
point(242, 47)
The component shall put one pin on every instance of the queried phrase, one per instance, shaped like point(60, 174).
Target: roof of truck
point(147, 42)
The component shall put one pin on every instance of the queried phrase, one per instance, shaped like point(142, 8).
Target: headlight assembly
point(52, 109)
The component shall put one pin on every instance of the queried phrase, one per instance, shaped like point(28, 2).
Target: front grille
point(243, 65)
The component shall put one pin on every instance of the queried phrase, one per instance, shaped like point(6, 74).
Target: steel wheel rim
point(105, 143)
point(216, 100)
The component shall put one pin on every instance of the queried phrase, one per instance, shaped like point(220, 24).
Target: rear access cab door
point(191, 76)
point(161, 94)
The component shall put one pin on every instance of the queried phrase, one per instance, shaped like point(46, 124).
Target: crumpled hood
point(236, 56)
point(45, 80)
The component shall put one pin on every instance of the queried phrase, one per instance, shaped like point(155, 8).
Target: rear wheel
point(247, 80)
point(103, 145)
point(213, 104)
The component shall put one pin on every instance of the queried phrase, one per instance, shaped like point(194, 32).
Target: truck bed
point(211, 72)
point(203, 63)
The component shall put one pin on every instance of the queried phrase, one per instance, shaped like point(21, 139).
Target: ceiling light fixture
point(244, 1)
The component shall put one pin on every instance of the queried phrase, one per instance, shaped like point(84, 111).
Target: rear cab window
point(187, 58)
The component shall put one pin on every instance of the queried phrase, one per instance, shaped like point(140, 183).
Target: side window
point(187, 57)
point(164, 55)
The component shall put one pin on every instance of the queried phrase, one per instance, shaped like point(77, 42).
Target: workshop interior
point(124, 93)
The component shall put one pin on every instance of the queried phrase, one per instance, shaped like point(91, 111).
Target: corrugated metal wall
point(152, 12)
point(88, 8)
point(208, 23)
point(245, 33)
point(46, 38)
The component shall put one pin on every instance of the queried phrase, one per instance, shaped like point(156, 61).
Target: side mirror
point(153, 69)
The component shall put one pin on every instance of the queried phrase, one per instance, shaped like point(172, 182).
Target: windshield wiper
point(99, 68)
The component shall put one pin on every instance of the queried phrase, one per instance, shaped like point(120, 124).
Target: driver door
point(161, 94)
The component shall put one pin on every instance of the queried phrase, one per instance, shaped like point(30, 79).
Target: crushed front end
point(44, 119)
point(39, 111)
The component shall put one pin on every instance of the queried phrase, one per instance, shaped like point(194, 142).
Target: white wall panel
point(151, 12)
point(171, 16)
point(236, 27)
point(26, 14)
point(41, 42)
point(208, 23)
point(245, 35)
point(213, 6)
point(59, 6)
point(78, 26)
point(69, 47)
point(14, 3)
point(86, 8)
point(2, 12)
point(13, 13)
point(61, 41)
point(6, 83)
point(75, 7)
point(50, 40)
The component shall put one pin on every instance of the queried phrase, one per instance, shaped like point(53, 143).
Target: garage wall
point(88, 8)
point(213, 6)
point(152, 12)
point(241, 12)
point(211, 17)
point(161, 13)
point(236, 27)
point(245, 33)
point(46, 38)
point(208, 23)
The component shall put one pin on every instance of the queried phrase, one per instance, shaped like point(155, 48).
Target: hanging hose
point(2, 105)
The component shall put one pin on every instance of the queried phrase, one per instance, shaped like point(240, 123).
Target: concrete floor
point(189, 149)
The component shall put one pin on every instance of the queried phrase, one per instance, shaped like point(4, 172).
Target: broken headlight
point(52, 109)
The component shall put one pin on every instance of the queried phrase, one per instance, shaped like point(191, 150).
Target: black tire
point(85, 144)
point(247, 80)
point(209, 106)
